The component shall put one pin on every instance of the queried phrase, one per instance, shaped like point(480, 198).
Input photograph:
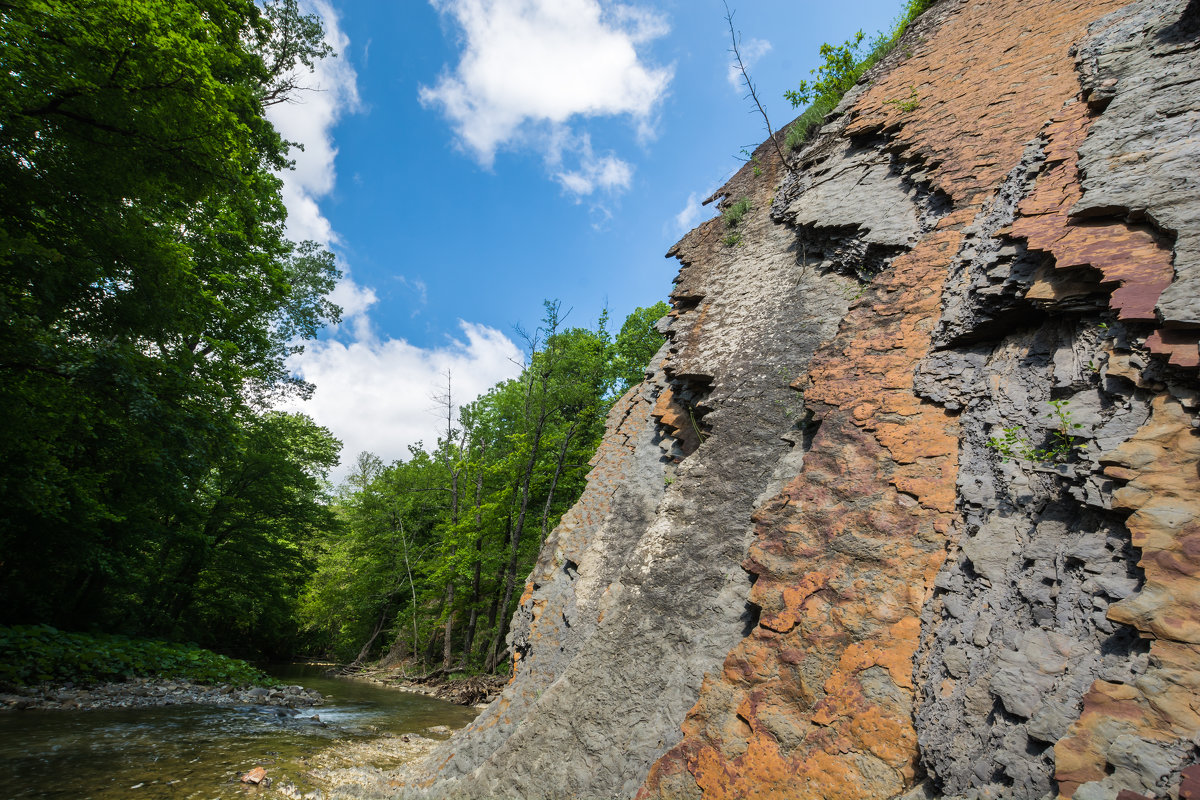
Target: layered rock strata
point(909, 504)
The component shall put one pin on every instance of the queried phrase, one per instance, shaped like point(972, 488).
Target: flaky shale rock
point(909, 503)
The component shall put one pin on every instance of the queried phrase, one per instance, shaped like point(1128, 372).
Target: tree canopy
point(149, 293)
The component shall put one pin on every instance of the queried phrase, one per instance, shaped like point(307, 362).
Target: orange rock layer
point(1133, 258)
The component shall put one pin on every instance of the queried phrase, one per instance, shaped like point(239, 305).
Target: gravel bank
point(143, 692)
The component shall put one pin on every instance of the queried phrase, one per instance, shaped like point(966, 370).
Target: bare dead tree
point(735, 39)
point(451, 452)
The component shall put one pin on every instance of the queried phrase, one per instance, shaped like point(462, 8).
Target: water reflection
point(180, 752)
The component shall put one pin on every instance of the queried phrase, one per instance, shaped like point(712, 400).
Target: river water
point(186, 752)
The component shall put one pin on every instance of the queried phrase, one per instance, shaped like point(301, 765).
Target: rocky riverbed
point(144, 692)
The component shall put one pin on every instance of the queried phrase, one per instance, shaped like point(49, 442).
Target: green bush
point(38, 653)
point(842, 66)
point(734, 215)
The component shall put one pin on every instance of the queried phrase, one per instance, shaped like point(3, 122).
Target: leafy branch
point(842, 66)
point(1061, 446)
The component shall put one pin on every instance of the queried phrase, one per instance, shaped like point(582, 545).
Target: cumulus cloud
point(751, 52)
point(307, 118)
point(374, 392)
point(605, 173)
point(531, 69)
point(378, 395)
point(693, 211)
point(690, 215)
point(355, 301)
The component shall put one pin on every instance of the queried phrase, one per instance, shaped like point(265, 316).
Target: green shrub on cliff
point(840, 69)
point(32, 654)
point(734, 215)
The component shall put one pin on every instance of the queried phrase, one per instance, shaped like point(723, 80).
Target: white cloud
point(373, 392)
point(687, 218)
point(531, 69)
point(355, 301)
point(377, 395)
point(417, 287)
point(605, 173)
point(308, 118)
point(751, 52)
point(693, 212)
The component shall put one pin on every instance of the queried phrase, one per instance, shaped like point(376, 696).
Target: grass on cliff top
point(843, 66)
point(31, 654)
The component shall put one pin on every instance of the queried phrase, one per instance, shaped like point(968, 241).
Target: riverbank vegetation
point(38, 654)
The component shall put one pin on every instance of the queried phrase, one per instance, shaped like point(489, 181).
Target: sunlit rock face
point(909, 503)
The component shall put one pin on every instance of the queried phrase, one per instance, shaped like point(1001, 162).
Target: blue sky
point(466, 159)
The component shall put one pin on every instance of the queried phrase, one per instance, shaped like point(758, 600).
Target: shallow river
point(179, 752)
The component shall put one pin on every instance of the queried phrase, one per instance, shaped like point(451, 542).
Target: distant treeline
point(434, 549)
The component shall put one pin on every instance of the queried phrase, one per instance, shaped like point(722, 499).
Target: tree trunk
point(366, 648)
point(412, 587)
point(558, 468)
point(493, 610)
point(447, 646)
point(473, 619)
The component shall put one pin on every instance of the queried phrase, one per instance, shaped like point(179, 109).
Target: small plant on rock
point(911, 103)
point(1061, 445)
point(733, 217)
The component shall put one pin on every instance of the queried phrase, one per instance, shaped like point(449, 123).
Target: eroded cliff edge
point(800, 570)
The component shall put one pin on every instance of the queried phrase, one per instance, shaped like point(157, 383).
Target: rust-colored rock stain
point(1133, 257)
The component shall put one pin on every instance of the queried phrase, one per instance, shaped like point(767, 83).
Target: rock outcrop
point(909, 504)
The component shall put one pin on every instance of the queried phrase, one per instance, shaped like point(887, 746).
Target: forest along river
point(180, 752)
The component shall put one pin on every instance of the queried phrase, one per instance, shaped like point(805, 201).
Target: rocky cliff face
point(909, 505)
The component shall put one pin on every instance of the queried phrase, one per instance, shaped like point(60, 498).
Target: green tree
point(149, 294)
point(635, 344)
point(236, 572)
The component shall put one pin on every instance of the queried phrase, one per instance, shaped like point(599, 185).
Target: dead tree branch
point(735, 48)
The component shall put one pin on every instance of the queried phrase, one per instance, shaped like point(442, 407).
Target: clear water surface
point(185, 752)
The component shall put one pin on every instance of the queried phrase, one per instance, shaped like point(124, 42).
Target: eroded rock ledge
point(803, 568)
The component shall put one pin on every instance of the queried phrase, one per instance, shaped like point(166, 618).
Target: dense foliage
point(150, 299)
point(430, 561)
point(31, 654)
point(840, 68)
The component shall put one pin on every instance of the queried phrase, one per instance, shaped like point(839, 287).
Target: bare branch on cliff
point(735, 48)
